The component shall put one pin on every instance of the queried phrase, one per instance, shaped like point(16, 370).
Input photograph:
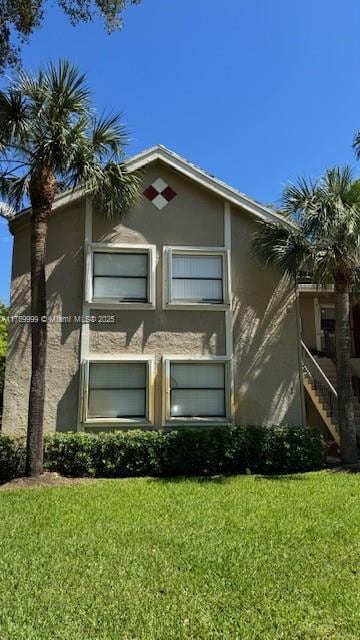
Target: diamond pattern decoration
point(159, 193)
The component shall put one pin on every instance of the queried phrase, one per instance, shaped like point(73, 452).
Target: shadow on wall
point(67, 305)
point(172, 332)
point(265, 356)
point(63, 345)
point(68, 405)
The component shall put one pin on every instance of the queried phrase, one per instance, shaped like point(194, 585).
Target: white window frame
point(168, 253)
point(168, 420)
point(111, 303)
point(148, 421)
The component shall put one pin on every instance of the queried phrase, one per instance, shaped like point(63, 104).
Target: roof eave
point(186, 168)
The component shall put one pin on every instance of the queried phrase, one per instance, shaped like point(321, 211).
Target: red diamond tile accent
point(168, 194)
point(150, 193)
point(153, 192)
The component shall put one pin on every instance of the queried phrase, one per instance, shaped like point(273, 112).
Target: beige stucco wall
point(64, 289)
point(266, 364)
point(194, 217)
point(266, 368)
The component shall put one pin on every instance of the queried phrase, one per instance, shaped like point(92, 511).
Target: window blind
point(197, 390)
point(117, 390)
point(121, 276)
point(197, 278)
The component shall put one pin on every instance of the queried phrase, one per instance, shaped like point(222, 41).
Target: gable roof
point(188, 169)
point(195, 173)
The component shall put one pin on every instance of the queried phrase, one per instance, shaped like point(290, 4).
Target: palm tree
point(51, 140)
point(324, 237)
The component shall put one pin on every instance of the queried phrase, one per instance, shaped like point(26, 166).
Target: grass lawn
point(246, 557)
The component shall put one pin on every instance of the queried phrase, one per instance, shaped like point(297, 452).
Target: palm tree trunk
point(42, 193)
point(347, 429)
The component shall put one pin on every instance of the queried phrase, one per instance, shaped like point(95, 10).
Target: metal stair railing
point(322, 385)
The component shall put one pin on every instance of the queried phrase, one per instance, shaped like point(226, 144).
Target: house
point(159, 318)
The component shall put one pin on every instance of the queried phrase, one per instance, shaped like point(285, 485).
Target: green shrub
point(12, 458)
point(71, 454)
point(185, 451)
point(292, 449)
point(124, 454)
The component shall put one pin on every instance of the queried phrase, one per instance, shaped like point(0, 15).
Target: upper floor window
point(121, 275)
point(197, 277)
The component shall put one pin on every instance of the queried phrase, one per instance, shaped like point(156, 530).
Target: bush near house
point(183, 452)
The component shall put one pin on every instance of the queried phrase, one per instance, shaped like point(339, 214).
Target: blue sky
point(257, 93)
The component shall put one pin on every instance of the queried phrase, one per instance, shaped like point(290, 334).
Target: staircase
point(329, 368)
point(319, 377)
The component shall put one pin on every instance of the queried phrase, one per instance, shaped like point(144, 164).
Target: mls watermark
point(57, 319)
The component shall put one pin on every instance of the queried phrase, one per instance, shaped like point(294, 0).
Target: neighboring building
point(203, 332)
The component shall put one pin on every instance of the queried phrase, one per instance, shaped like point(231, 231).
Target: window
point(117, 390)
point(121, 275)
point(198, 389)
point(197, 278)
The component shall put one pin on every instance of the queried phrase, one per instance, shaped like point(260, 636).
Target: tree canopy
point(48, 126)
point(20, 18)
point(325, 235)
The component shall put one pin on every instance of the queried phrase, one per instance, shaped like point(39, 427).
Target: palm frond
point(67, 89)
point(7, 211)
point(48, 121)
point(14, 118)
point(115, 190)
point(327, 213)
point(283, 247)
point(356, 145)
point(59, 89)
point(109, 135)
point(337, 181)
point(297, 197)
point(14, 189)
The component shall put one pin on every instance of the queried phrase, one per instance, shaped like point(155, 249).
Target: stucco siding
point(64, 290)
point(194, 217)
point(266, 363)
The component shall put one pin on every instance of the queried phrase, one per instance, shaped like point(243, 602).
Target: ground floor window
point(121, 390)
point(117, 390)
point(198, 390)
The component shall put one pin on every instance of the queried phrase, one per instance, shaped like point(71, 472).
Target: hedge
point(186, 452)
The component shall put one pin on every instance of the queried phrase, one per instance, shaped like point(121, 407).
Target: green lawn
point(247, 557)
